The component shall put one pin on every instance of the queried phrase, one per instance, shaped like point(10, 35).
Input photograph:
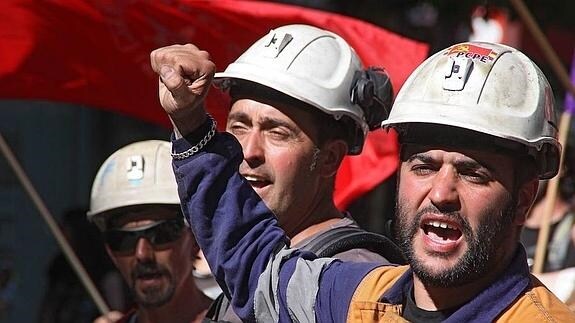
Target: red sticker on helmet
point(474, 52)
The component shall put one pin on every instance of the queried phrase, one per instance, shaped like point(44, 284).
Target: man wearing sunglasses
point(134, 202)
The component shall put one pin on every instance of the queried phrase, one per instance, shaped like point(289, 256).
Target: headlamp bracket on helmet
point(457, 73)
point(373, 92)
point(277, 42)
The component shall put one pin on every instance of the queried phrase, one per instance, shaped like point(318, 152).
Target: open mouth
point(149, 280)
point(257, 182)
point(441, 232)
point(149, 276)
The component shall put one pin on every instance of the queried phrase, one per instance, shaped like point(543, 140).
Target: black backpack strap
point(328, 244)
point(342, 239)
point(217, 310)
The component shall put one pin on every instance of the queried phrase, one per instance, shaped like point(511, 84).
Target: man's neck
point(438, 298)
point(433, 298)
point(317, 217)
point(189, 305)
point(315, 229)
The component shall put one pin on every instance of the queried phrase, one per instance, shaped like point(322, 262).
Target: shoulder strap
point(329, 244)
point(217, 310)
point(343, 239)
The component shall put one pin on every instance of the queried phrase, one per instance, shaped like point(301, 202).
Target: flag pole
point(557, 66)
point(56, 231)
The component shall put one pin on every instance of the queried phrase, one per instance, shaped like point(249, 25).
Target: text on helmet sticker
point(474, 52)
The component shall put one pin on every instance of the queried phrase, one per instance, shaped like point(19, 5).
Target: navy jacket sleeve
point(244, 245)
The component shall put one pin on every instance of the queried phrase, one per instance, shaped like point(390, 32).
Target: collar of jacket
point(485, 306)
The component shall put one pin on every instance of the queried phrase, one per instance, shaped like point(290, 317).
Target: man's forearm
point(237, 243)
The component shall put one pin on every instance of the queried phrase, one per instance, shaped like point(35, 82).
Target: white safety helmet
point(309, 64)
point(139, 173)
point(489, 88)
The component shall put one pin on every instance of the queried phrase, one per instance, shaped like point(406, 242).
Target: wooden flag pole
point(557, 66)
point(56, 231)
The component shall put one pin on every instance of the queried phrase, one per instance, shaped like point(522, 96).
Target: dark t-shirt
point(414, 314)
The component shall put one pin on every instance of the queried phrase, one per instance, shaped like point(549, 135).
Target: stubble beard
point(477, 260)
point(154, 296)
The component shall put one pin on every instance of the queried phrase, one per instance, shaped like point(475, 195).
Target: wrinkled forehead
point(460, 157)
point(463, 149)
point(142, 215)
point(288, 105)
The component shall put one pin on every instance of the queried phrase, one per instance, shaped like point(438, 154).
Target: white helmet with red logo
point(139, 173)
point(317, 67)
point(485, 87)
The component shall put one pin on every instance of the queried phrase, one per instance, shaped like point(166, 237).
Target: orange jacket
point(534, 304)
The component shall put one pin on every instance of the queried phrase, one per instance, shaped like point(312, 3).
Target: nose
point(443, 193)
point(253, 149)
point(144, 250)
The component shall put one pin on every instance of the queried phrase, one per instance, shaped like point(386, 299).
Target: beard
point(152, 296)
point(478, 259)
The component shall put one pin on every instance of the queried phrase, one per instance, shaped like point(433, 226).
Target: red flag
point(97, 53)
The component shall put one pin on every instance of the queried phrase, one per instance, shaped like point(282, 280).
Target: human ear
point(525, 198)
point(196, 252)
point(331, 156)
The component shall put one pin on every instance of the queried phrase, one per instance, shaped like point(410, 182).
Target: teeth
point(437, 224)
point(251, 178)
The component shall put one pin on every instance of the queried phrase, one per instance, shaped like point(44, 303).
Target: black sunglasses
point(159, 233)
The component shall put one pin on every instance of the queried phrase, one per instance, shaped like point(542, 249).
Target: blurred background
point(61, 140)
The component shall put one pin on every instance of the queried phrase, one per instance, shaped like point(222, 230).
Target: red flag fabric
point(96, 53)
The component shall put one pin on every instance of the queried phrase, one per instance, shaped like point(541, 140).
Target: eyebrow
point(419, 156)
point(266, 122)
point(460, 164)
point(239, 116)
